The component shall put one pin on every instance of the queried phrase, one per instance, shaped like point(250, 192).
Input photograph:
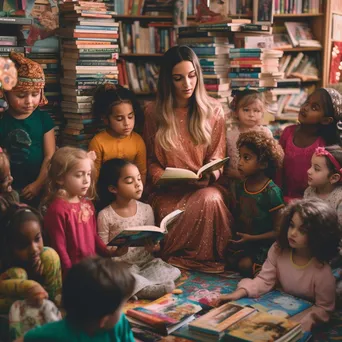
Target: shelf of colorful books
point(298, 15)
point(141, 54)
point(300, 49)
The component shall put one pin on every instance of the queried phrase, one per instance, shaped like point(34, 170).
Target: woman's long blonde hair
point(200, 106)
point(62, 162)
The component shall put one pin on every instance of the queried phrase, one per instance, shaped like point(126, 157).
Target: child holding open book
point(298, 261)
point(120, 187)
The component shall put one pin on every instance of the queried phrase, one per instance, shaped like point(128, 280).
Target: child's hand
point(231, 296)
point(151, 246)
point(118, 252)
point(30, 191)
point(38, 267)
point(36, 295)
point(243, 238)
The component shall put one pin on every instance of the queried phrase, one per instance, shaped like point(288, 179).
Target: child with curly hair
point(257, 201)
point(298, 261)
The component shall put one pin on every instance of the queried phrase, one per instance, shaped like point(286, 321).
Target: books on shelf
point(165, 314)
point(172, 174)
point(298, 6)
point(136, 236)
point(300, 35)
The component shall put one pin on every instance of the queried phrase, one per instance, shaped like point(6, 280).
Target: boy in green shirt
point(94, 292)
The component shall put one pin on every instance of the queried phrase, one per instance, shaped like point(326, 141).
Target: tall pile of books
point(89, 54)
point(8, 44)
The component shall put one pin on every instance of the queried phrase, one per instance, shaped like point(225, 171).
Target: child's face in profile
point(312, 111)
point(23, 102)
point(248, 163)
point(251, 115)
point(121, 120)
point(29, 243)
point(5, 177)
point(318, 174)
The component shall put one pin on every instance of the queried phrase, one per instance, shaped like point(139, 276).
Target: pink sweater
point(72, 231)
point(313, 281)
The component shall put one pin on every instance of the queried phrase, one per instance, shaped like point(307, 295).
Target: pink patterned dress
point(199, 237)
point(293, 178)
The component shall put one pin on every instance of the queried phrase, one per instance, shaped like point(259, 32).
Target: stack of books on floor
point(89, 54)
point(254, 68)
point(139, 77)
point(49, 60)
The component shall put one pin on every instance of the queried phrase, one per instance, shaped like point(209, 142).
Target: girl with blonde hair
point(70, 218)
point(185, 128)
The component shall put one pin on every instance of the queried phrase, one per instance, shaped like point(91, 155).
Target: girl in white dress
point(120, 187)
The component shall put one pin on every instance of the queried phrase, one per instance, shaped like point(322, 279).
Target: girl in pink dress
point(298, 262)
point(185, 128)
point(317, 127)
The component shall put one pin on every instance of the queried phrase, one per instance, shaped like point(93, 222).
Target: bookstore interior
point(285, 48)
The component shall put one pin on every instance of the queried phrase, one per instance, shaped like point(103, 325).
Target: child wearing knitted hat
point(26, 132)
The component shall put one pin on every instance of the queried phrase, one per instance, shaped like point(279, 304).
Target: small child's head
point(71, 174)
point(326, 167)
point(119, 109)
point(249, 107)
point(94, 292)
point(310, 223)
point(21, 235)
point(258, 153)
point(28, 93)
point(322, 107)
point(119, 178)
point(6, 178)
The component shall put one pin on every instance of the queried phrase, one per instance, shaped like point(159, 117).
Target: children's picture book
point(216, 321)
point(165, 314)
point(136, 236)
point(261, 327)
point(177, 174)
point(276, 302)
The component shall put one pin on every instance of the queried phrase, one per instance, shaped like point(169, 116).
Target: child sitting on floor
point(258, 201)
point(94, 292)
point(298, 261)
point(121, 112)
point(249, 108)
point(28, 269)
point(120, 187)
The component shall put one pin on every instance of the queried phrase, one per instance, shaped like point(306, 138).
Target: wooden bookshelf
point(298, 15)
point(300, 49)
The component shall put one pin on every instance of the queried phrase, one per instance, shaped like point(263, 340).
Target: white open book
point(136, 236)
point(173, 173)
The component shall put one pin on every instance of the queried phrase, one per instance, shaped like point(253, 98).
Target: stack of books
point(49, 60)
point(89, 54)
point(254, 68)
point(8, 44)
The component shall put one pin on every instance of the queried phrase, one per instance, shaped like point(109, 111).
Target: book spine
point(242, 74)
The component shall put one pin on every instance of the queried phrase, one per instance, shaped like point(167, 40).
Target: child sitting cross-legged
point(298, 261)
point(120, 187)
point(94, 292)
point(258, 201)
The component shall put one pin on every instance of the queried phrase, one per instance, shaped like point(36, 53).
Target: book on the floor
point(165, 314)
point(276, 302)
point(216, 321)
point(136, 236)
point(262, 326)
point(177, 174)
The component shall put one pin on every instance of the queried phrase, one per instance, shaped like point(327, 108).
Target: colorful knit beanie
point(30, 75)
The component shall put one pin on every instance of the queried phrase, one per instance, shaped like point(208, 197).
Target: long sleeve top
point(313, 281)
point(72, 231)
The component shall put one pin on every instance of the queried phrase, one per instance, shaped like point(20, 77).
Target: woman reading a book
point(185, 128)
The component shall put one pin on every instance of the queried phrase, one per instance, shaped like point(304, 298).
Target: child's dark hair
point(110, 173)
point(321, 223)
point(267, 150)
point(12, 216)
point(327, 132)
point(109, 95)
point(94, 288)
point(336, 152)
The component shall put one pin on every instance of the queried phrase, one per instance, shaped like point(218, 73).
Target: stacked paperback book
point(89, 54)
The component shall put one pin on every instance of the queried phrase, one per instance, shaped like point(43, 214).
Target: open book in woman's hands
point(172, 174)
point(136, 236)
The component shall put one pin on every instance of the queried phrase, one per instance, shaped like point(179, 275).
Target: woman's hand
point(30, 191)
point(152, 246)
point(243, 238)
point(36, 295)
point(240, 293)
